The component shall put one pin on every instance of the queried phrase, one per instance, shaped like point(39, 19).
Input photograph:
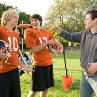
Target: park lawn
point(74, 69)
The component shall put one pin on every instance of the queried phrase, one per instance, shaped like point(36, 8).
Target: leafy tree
point(22, 15)
point(69, 14)
point(3, 8)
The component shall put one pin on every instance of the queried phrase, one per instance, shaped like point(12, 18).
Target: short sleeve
point(29, 38)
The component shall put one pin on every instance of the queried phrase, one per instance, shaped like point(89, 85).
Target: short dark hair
point(93, 13)
point(36, 16)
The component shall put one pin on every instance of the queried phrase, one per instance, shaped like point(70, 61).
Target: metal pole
point(64, 56)
point(22, 38)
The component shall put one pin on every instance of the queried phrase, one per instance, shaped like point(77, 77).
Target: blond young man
point(9, 75)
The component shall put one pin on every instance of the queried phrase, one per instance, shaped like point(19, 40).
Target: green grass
point(74, 70)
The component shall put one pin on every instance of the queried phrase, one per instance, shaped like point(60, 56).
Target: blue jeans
point(88, 85)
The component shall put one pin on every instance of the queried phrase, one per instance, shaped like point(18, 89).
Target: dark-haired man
point(37, 40)
point(88, 40)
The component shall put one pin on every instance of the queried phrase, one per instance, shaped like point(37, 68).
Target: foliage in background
point(3, 8)
point(23, 16)
point(69, 14)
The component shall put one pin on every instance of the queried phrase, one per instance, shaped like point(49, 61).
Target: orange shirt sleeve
point(29, 38)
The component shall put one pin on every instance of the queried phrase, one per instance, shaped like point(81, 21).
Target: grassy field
point(74, 69)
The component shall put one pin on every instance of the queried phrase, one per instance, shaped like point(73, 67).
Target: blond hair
point(7, 15)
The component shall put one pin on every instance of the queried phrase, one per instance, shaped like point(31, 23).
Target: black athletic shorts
point(42, 78)
point(10, 84)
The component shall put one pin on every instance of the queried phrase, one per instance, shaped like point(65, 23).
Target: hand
point(54, 51)
point(92, 68)
point(56, 48)
point(28, 68)
point(51, 42)
point(59, 46)
point(53, 26)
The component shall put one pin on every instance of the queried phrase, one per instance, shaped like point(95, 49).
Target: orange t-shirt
point(12, 38)
point(34, 38)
